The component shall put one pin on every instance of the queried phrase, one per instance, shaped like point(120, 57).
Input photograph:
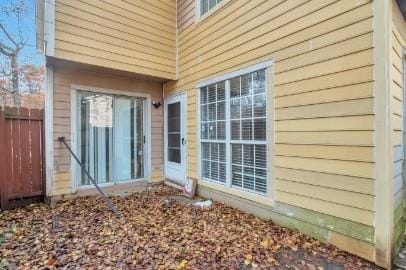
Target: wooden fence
point(22, 173)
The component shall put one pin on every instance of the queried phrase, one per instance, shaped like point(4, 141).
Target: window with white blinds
point(207, 5)
point(233, 119)
point(213, 131)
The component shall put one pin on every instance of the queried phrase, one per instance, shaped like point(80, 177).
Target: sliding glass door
point(110, 136)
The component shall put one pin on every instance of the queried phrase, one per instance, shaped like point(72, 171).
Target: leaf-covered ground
point(156, 232)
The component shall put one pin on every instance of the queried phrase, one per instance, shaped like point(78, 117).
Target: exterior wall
point(324, 106)
point(134, 36)
point(398, 41)
point(64, 78)
point(186, 13)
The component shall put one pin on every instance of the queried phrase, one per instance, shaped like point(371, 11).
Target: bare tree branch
point(10, 38)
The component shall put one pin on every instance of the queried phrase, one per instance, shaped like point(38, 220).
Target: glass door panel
point(111, 137)
point(174, 132)
point(95, 136)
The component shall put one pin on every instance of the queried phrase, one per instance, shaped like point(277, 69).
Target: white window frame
point(75, 169)
point(199, 17)
point(267, 65)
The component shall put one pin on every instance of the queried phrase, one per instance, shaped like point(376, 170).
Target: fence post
point(3, 163)
point(43, 154)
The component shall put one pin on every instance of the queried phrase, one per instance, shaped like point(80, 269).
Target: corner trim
point(49, 130)
point(49, 29)
point(383, 151)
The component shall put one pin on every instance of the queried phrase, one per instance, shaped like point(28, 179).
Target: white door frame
point(181, 177)
point(75, 169)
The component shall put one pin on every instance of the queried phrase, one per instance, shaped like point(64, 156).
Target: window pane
point(248, 178)
point(222, 152)
point(173, 125)
point(235, 108)
point(213, 161)
point(235, 130)
point(204, 113)
point(212, 131)
point(206, 169)
point(236, 150)
point(221, 88)
point(174, 110)
point(204, 131)
point(246, 107)
point(221, 130)
point(212, 4)
point(235, 87)
point(246, 84)
point(248, 155)
point(260, 180)
point(260, 129)
point(212, 93)
point(236, 176)
point(214, 151)
point(259, 106)
point(223, 171)
point(206, 151)
point(246, 126)
point(260, 156)
point(203, 95)
point(221, 111)
point(214, 171)
point(174, 155)
point(204, 6)
point(259, 81)
point(174, 140)
point(212, 112)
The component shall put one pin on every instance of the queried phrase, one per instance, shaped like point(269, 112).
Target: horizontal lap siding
point(137, 36)
point(63, 79)
point(323, 88)
point(186, 13)
point(397, 100)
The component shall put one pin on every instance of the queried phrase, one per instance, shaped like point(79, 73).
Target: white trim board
point(239, 72)
point(49, 130)
point(49, 27)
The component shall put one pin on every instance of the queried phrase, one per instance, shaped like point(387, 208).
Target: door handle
point(183, 141)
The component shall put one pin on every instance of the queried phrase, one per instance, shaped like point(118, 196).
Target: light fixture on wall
point(156, 104)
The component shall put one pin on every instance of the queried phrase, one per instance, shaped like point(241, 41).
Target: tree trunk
point(15, 79)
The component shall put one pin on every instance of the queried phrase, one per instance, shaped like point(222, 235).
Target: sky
point(29, 53)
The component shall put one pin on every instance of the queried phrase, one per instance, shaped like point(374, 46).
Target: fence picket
point(21, 160)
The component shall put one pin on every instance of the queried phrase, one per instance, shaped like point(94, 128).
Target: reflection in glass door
point(110, 136)
point(174, 133)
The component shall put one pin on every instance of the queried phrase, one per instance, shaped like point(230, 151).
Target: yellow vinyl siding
point(323, 88)
point(139, 37)
point(186, 13)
